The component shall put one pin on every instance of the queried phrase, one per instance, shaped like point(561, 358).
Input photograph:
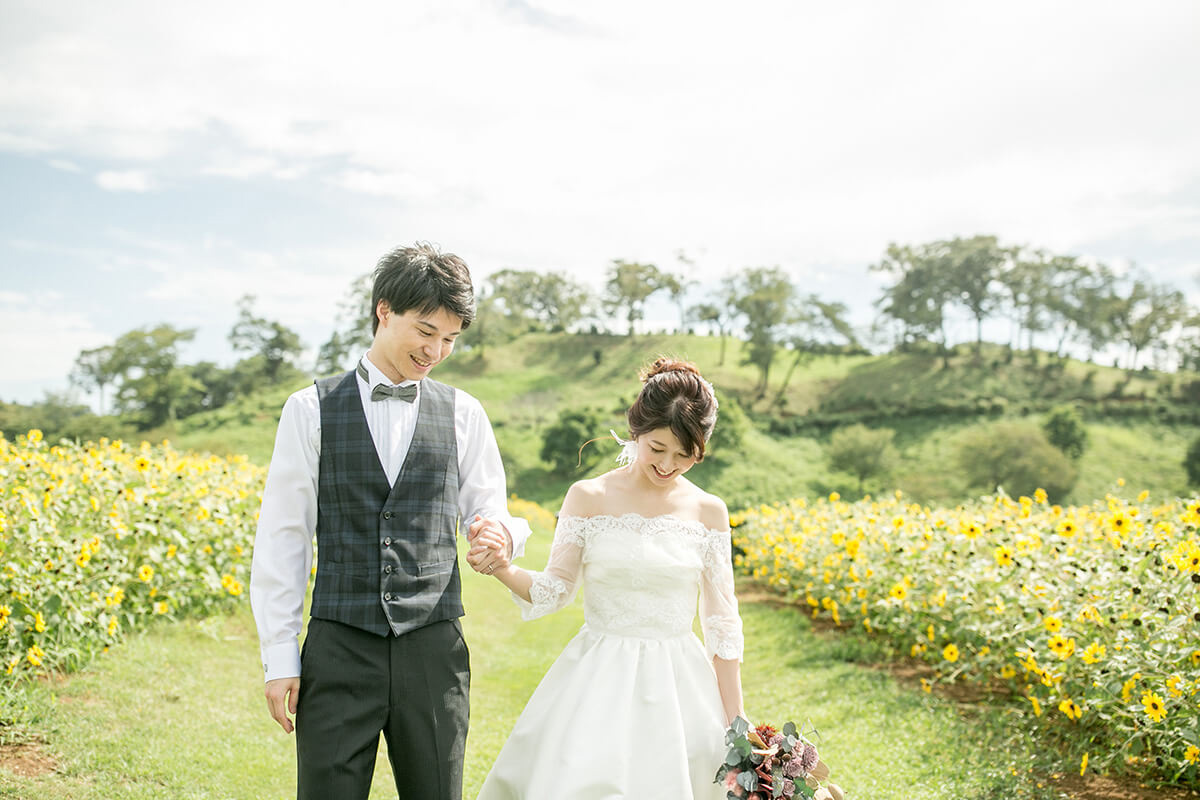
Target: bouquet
point(764, 763)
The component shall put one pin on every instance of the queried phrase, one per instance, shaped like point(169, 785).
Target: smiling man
point(381, 463)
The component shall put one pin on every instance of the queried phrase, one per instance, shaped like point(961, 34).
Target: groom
point(381, 463)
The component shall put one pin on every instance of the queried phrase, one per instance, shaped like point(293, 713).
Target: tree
point(491, 326)
point(1065, 430)
point(273, 341)
point(352, 328)
point(861, 451)
point(562, 442)
point(722, 313)
point(95, 369)
point(217, 386)
point(764, 300)
point(1028, 282)
point(548, 300)
point(921, 291)
point(678, 285)
point(1077, 302)
point(974, 266)
point(629, 285)
point(814, 323)
point(152, 382)
point(1147, 314)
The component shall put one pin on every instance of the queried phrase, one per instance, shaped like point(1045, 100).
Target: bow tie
point(381, 391)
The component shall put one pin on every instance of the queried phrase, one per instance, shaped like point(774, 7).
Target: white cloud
point(124, 181)
point(40, 346)
point(563, 134)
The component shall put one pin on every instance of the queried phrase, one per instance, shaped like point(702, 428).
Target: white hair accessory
point(628, 449)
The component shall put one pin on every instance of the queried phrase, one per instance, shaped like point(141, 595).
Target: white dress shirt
point(283, 545)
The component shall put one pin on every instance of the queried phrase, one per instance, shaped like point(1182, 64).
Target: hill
point(1138, 427)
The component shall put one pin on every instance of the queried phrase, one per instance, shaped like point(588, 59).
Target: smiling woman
point(648, 543)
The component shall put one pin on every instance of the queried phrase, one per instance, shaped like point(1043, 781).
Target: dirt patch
point(1100, 787)
point(27, 760)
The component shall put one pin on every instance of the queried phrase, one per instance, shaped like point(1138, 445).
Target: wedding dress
point(630, 709)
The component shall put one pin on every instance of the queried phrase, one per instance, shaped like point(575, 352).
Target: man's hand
point(491, 546)
point(282, 695)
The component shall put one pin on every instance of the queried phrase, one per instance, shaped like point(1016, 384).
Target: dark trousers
point(355, 685)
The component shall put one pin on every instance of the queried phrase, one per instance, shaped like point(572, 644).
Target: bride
point(634, 706)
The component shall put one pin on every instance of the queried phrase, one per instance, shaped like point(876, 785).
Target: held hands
point(490, 546)
point(491, 549)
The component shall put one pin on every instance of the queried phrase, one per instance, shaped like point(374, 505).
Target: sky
point(160, 160)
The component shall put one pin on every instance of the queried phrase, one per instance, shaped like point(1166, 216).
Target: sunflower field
point(97, 540)
point(1083, 623)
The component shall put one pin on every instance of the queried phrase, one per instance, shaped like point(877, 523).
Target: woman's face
point(661, 457)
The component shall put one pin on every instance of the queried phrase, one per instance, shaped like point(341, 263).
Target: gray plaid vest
point(387, 560)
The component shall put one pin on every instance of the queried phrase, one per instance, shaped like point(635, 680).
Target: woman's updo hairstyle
point(675, 396)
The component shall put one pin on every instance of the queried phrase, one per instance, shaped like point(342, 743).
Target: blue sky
point(159, 160)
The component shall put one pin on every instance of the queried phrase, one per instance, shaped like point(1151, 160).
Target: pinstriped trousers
point(411, 688)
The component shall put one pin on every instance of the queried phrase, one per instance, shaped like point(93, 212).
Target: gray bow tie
point(382, 391)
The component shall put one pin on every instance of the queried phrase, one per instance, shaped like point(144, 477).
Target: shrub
point(1191, 462)
point(732, 427)
point(1016, 457)
point(861, 451)
point(1065, 430)
point(562, 441)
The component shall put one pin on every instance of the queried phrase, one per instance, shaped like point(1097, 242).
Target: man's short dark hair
point(424, 278)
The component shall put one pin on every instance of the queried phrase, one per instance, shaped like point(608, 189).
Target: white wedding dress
point(630, 709)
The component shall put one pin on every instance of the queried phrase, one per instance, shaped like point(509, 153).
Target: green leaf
point(748, 780)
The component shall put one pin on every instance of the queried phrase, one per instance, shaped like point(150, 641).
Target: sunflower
point(1063, 647)
point(1094, 653)
point(1153, 704)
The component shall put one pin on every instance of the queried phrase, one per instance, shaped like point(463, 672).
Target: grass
point(177, 712)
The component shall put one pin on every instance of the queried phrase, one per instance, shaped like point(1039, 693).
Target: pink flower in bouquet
point(792, 768)
point(789, 787)
point(808, 758)
point(731, 784)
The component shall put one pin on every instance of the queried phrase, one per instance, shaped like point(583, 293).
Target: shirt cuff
point(518, 532)
point(281, 661)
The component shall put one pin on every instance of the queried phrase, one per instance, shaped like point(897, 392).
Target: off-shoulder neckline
point(621, 517)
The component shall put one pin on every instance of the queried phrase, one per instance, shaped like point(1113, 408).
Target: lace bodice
point(642, 576)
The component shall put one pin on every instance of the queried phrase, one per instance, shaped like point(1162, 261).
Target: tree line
point(1075, 301)
point(1083, 305)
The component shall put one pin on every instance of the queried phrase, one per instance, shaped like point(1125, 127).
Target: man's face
point(407, 346)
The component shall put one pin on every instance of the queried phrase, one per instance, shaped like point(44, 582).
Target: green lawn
point(178, 712)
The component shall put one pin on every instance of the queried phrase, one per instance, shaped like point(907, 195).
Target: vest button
point(387, 542)
point(387, 598)
point(388, 569)
point(387, 515)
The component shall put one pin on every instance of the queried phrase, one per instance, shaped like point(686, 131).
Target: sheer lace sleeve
point(718, 604)
point(554, 587)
